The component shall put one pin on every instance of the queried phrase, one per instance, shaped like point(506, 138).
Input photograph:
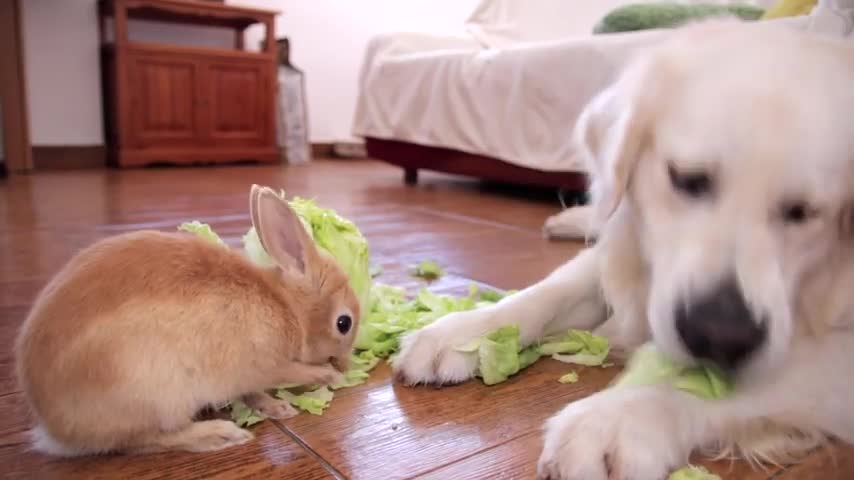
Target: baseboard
point(65, 157)
point(342, 150)
point(322, 149)
point(69, 157)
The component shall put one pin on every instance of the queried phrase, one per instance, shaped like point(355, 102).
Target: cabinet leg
point(410, 176)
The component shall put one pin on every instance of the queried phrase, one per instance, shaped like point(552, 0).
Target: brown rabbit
point(139, 332)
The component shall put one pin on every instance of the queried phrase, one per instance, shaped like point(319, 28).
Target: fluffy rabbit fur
point(139, 332)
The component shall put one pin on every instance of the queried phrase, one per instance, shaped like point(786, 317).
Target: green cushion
point(644, 16)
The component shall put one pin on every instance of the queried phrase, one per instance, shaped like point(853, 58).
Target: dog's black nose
point(720, 327)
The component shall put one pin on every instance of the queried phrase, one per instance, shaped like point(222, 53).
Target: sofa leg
point(410, 176)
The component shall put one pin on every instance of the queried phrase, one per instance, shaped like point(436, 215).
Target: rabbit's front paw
point(331, 377)
point(430, 355)
point(211, 435)
point(269, 406)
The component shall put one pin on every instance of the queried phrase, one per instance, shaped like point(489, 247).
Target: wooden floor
point(376, 431)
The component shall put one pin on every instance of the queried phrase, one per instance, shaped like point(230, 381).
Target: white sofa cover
point(512, 86)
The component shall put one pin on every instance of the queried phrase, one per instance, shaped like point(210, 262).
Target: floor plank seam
point(466, 457)
point(322, 461)
point(779, 474)
point(476, 220)
point(13, 445)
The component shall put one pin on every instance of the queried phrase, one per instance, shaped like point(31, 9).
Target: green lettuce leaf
point(254, 251)
point(202, 230)
point(586, 359)
point(487, 295)
point(428, 269)
point(498, 355)
point(648, 366)
point(570, 377)
point(577, 346)
point(360, 366)
point(528, 356)
point(692, 472)
point(574, 341)
point(244, 416)
point(314, 402)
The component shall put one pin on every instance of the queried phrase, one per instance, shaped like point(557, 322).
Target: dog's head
point(732, 148)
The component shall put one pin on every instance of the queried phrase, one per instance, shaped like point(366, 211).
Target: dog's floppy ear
point(609, 134)
point(845, 222)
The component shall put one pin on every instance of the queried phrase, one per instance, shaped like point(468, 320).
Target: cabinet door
point(238, 103)
point(163, 93)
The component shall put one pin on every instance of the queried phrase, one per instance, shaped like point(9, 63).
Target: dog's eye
point(797, 212)
point(693, 184)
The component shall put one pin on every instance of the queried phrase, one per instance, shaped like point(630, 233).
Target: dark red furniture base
point(413, 157)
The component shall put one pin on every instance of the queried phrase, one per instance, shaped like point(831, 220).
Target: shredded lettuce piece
point(491, 296)
point(692, 472)
point(393, 314)
point(648, 366)
point(586, 359)
point(244, 416)
point(375, 270)
point(359, 372)
point(528, 356)
point(487, 295)
point(254, 251)
point(577, 346)
point(498, 355)
point(202, 230)
point(571, 377)
point(428, 269)
point(575, 341)
point(313, 402)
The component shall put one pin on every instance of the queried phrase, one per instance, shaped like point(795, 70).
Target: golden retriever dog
point(722, 181)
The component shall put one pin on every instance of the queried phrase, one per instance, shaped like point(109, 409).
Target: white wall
point(328, 38)
point(62, 68)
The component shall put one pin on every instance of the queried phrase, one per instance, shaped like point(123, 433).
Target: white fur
point(768, 111)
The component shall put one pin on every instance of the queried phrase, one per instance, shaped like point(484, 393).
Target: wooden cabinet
point(164, 95)
point(180, 104)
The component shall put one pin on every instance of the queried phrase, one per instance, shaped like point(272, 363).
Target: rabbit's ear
point(281, 232)
point(254, 194)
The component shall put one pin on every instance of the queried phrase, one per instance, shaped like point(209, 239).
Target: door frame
point(17, 148)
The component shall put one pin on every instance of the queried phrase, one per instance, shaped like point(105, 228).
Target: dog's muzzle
point(720, 327)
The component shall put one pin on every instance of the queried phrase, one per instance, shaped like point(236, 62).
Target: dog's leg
point(568, 298)
point(574, 223)
point(643, 433)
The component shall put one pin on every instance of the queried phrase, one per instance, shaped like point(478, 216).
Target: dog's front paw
point(620, 434)
point(431, 355)
point(571, 224)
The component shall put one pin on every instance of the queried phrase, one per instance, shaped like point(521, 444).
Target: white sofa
point(509, 88)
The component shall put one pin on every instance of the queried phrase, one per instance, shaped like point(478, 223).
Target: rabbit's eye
point(344, 323)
